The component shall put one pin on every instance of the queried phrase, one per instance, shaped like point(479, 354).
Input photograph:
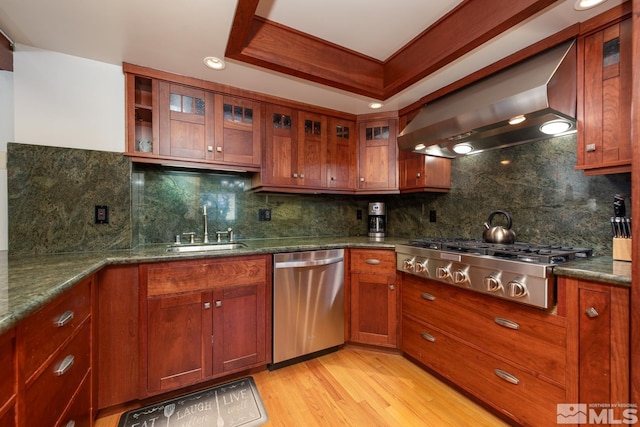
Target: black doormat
point(233, 404)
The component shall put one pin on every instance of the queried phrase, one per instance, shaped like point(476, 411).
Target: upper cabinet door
point(186, 121)
point(312, 150)
point(280, 165)
point(604, 103)
point(377, 166)
point(237, 131)
point(341, 154)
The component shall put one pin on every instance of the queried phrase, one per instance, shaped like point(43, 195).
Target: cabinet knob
point(218, 303)
point(295, 175)
point(333, 178)
point(209, 148)
point(361, 179)
point(64, 318)
point(65, 365)
point(418, 175)
point(591, 312)
point(219, 149)
point(302, 175)
point(71, 423)
point(393, 288)
point(207, 305)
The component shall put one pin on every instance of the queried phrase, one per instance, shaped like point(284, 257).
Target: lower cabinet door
point(178, 340)
point(374, 309)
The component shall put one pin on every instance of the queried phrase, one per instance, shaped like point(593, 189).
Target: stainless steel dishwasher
point(308, 304)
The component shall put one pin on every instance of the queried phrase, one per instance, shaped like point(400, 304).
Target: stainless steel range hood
point(541, 88)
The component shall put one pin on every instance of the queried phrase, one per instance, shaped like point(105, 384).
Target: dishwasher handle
point(309, 263)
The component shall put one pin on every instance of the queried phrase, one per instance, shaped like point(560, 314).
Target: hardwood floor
point(359, 387)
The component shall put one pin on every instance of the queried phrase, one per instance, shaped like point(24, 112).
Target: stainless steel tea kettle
point(498, 234)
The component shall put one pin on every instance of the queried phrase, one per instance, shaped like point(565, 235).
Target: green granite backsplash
point(549, 201)
point(52, 193)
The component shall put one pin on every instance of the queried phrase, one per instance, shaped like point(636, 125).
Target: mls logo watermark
point(597, 413)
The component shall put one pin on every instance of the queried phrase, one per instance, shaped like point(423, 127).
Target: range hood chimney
point(541, 89)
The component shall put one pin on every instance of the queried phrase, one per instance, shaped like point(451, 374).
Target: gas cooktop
point(519, 251)
point(519, 272)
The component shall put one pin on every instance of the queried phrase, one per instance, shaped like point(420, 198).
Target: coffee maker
point(377, 220)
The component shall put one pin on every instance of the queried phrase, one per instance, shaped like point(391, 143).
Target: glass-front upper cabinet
point(141, 114)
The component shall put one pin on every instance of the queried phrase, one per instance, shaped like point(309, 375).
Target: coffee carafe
point(377, 220)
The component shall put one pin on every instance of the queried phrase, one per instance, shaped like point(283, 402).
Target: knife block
point(621, 249)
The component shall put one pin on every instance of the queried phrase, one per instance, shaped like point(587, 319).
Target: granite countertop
point(29, 282)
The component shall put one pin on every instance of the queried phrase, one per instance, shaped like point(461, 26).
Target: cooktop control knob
point(443, 273)
point(517, 289)
point(460, 277)
point(492, 283)
point(407, 264)
point(421, 267)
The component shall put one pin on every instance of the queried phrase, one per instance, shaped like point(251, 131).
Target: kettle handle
point(494, 213)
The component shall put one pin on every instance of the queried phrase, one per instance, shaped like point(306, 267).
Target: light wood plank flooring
point(359, 387)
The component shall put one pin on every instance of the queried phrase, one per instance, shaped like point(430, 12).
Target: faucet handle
point(192, 236)
point(230, 231)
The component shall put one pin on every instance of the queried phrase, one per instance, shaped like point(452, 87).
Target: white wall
point(6, 135)
point(58, 100)
point(66, 101)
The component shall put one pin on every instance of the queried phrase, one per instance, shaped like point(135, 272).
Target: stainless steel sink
point(205, 247)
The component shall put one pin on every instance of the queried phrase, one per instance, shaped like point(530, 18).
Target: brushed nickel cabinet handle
point(507, 323)
point(65, 365)
point(64, 318)
point(428, 296)
point(592, 312)
point(372, 261)
point(428, 337)
point(506, 376)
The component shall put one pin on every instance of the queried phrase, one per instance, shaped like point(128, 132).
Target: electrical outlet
point(101, 215)
point(359, 214)
point(432, 216)
point(264, 214)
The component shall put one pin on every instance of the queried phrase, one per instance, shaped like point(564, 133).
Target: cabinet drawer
point(49, 394)
point(528, 399)
point(373, 260)
point(503, 328)
point(79, 413)
point(7, 367)
point(47, 329)
point(188, 276)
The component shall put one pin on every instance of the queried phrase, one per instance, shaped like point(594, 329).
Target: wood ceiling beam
point(273, 46)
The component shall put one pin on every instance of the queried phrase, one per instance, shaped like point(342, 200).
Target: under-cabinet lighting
point(463, 148)
point(587, 4)
point(555, 127)
point(214, 63)
point(517, 119)
point(420, 147)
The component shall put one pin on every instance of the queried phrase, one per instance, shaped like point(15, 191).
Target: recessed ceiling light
point(214, 63)
point(587, 4)
point(375, 105)
point(463, 148)
point(517, 119)
point(555, 127)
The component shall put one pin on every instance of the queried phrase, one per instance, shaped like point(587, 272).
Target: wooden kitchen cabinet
point(377, 157)
point(604, 99)
point(341, 155)
point(374, 297)
point(423, 173)
point(238, 131)
point(9, 383)
point(117, 335)
point(184, 121)
point(510, 356)
point(598, 319)
point(55, 364)
point(203, 319)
